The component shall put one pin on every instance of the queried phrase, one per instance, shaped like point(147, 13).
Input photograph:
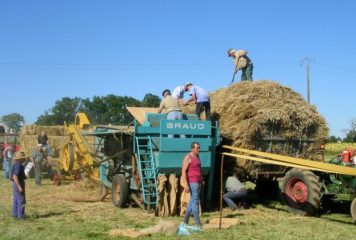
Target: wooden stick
point(221, 188)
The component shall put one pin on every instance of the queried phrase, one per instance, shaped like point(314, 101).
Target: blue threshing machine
point(156, 146)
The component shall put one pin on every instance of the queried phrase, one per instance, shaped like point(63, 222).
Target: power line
point(336, 67)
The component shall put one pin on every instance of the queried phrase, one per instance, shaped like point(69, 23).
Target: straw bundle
point(29, 133)
point(266, 116)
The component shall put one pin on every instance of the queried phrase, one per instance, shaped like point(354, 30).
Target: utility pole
point(307, 61)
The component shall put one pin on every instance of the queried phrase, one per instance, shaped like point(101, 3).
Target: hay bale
point(266, 116)
point(29, 133)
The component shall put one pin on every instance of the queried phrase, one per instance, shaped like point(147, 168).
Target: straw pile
point(266, 116)
point(29, 133)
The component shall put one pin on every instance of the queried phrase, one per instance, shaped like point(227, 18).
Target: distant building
point(3, 128)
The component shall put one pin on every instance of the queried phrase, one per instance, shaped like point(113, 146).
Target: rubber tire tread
point(353, 210)
point(314, 191)
point(124, 191)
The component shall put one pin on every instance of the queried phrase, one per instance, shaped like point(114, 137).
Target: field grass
point(336, 148)
point(52, 213)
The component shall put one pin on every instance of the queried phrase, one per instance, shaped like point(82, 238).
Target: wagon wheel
point(68, 157)
point(301, 191)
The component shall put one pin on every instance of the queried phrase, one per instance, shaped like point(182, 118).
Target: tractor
point(305, 185)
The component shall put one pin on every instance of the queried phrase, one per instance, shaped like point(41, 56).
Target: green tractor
point(304, 191)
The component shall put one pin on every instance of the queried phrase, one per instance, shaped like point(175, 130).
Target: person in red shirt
point(191, 176)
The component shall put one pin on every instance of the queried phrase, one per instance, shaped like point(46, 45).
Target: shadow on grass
point(35, 215)
point(337, 220)
point(233, 215)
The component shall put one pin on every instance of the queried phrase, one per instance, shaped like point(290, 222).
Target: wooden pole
point(221, 188)
point(308, 83)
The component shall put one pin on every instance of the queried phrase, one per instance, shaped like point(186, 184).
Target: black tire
point(353, 210)
point(301, 191)
point(103, 192)
point(119, 191)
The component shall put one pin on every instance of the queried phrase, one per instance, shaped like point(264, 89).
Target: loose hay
point(266, 116)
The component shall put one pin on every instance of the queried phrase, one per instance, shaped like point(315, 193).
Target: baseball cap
point(230, 50)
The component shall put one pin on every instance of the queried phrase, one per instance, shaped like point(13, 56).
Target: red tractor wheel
point(301, 191)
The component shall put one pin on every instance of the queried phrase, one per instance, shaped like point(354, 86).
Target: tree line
point(110, 109)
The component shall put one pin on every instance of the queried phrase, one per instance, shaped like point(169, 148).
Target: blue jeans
point(48, 149)
point(7, 165)
point(19, 200)
point(247, 73)
point(230, 196)
point(193, 206)
point(175, 115)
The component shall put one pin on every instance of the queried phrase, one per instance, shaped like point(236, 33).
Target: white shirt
point(178, 92)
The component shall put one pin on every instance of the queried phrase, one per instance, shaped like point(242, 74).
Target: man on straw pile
point(18, 177)
point(171, 107)
point(242, 62)
point(191, 179)
point(38, 155)
point(201, 97)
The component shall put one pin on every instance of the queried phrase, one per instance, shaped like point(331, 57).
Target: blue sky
point(54, 49)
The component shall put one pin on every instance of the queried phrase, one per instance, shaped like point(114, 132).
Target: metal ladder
point(148, 170)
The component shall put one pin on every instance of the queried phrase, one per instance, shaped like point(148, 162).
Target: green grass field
point(335, 148)
point(52, 213)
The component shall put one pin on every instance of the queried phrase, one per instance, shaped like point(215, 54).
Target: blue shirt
point(8, 154)
point(38, 156)
point(19, 170)
point(201, 94)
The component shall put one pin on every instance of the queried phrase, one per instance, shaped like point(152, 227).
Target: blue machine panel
point(187, 127)
point(183, 144)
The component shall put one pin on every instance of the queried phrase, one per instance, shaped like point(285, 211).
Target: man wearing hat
point(171, 106)
point(18, 177)
point(243, 62)
point(201, 98)
point(38, 155)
